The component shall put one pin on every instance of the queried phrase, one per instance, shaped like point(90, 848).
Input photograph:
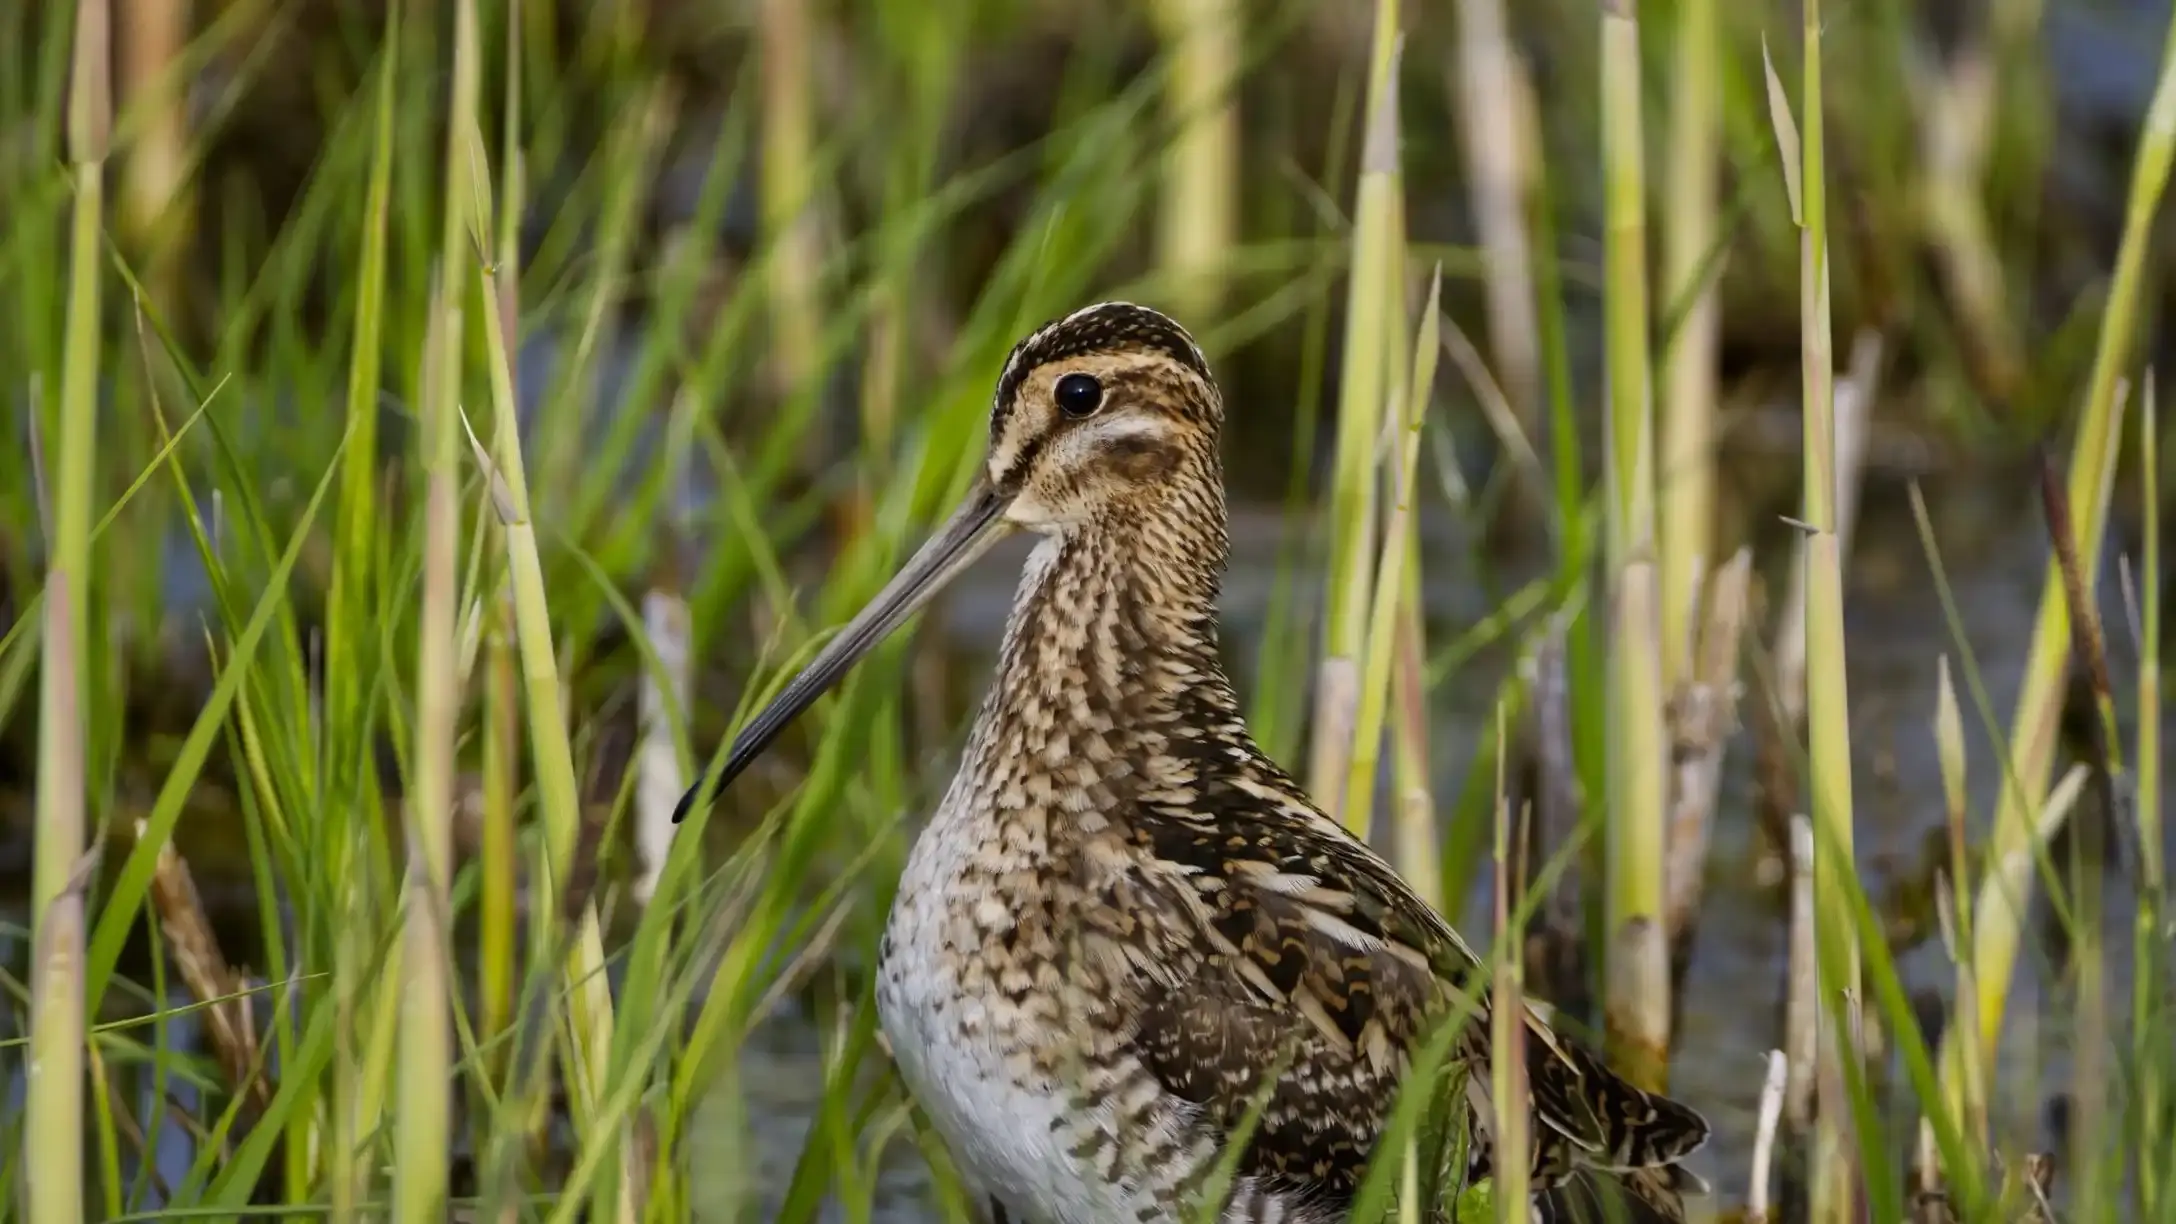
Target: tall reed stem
point(1637, 999)
point(1507, 1041)
point(1371, 302)
point(53, 1129)
point(1687, 479)
point(351, 655)
point(1384, 636)
point(789, 186)
point(589, 1014)
point(1828, 730)
point(1501, 156)
point(2151, 868)
point(423, 1138)
point(155, 187)
point(2149, 953)
point(498, 852)
point(1199, 215)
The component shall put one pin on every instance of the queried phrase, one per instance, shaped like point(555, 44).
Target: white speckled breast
point(961, 1046)
point(979, 1030)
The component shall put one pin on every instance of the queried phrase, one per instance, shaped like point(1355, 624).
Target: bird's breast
point(971, 999)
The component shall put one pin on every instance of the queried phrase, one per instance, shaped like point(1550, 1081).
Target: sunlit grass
point(61, 878)
point(1690, 336)
point(2152, 963)
point(1836, 1168)
point(1636, 1002)
point(1374, 296)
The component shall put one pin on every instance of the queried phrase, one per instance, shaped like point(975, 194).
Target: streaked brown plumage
point(1122, 913)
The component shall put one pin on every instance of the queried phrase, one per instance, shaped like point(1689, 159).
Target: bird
point(1132, 972)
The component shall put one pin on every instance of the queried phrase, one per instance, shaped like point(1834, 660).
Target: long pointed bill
point(977, 524)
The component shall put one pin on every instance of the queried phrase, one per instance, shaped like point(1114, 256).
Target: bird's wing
point(1327, 946)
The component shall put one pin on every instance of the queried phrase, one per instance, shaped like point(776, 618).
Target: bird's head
point(1107, 414)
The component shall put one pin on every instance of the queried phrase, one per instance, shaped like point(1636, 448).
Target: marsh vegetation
point(1698, 493)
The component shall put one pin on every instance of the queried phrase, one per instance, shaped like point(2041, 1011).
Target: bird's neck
point(1111, 664)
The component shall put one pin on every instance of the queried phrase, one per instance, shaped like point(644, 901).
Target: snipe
point(1122, 913)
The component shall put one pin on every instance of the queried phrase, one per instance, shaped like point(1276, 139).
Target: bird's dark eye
point(1079, 395)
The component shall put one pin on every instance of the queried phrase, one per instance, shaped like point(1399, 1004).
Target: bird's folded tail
point(1653, 1195)
point(1612, 1123)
